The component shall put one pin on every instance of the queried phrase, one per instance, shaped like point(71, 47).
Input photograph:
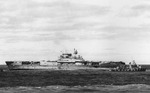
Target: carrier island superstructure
point(66, 61)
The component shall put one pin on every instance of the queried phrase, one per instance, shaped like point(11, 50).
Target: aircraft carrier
point(66, 61)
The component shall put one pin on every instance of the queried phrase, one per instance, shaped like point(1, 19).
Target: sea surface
point(77, 81)
point(132, 88)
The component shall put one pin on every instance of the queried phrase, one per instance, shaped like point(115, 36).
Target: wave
point(132, 88)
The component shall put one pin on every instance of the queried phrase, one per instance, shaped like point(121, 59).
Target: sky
point(106, 30)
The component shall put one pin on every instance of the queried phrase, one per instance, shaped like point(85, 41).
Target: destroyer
point(131, 67)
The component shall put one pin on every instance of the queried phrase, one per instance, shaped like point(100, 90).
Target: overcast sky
point(99, 29)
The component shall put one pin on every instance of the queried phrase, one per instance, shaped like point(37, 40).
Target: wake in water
point(133, 88)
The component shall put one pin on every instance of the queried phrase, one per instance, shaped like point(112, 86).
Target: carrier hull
point(32, 67)
point(56, 68)
point(54, 65)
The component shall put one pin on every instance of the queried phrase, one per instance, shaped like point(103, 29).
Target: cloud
point(113, 33)
point(135, 11)
point(126, 33)
point(59, 11)
point(30, 20)
point(141, 7)
point(29, 27)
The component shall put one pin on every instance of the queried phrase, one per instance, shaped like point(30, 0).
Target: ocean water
point(132, 88)
point(79, 81)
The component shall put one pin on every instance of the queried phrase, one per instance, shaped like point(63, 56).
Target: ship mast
point(75, 51)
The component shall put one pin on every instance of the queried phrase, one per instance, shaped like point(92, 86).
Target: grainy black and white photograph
point(74, 46)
